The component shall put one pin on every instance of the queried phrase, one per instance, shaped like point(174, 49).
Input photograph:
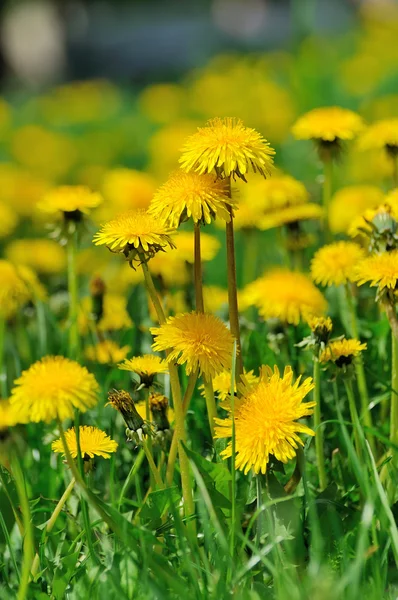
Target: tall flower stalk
point(319, 440)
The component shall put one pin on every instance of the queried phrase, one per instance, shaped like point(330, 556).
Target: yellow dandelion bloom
point(8, 415)
point(335, 263)
point(320, 324)
point(328, 124)
point(93, 442)
point(135, 234)
point(186, 195)
point(379, 270)
point(222, 385)
point(157, 403)
point(200, 341)
point(114, 317)
point(285, 295)
point(342, 352)
point(42, 255)
point(281, 191)
point(382, 134)
point(52, 388)
point(8, 220)
point(350, 202)
point(184, 241)
point(290, 214)
point(106, 352)
point(215, 298)
point(266, 420)
point(229, 148)
point(70, 199)
point(171, 268)
point(14, 292)
point(145, 366)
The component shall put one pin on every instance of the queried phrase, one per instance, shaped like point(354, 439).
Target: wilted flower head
point(227, 147)
point(266, 420)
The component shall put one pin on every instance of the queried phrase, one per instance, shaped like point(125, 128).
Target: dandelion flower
point(328, 124)
point(341, 352)
point(136, 234)
point(106, 352)
point(290, 214)
point(93, 442)
point(266, 420)
point(222, 384)
point(281, 191)
point(183, 241)
point(146, 367)
point(200, 341)
point(382, 134)
point(171, 268)
point(186, 195)
point(160, 412)
point(350, 202)
point(14, 292)
point(379, 270)
point(114, 314)
point(229, 148)
point(53, 387)
point(72, 200)
point(285, 295)
point(8, 415)
point(321, 328)
point(8, 220)
point(42, 255)
point(335, 263)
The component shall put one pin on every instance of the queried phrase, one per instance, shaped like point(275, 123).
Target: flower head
point(53, 387)
point(186, 195)
point(222, 385)
point(72, 200)
point(350, 202)
point(286, 295)
point(229, 148)
point(281, 191)
point(8, 416)
point(342, 352)
point(114, 316)
point(321, 328)
point(14, 292)
point(183, 241)
point(146, 367)
point(290, 214)
point(136, 234)
point(379, 270)
point(328, 124)
point(382, 134)
point(8, 220)
point(42, 255)
point(266, 420)
point(106, 352)
point(93, 442)
point(200, 341)
point(121, 401)
point(335, 263)
point(160, 412)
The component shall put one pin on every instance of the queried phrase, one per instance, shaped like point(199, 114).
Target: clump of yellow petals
point(341, 352)
point(136, 234)
point(69, 199)
point(43, 255)
point(229, 148)
point(186, 195)
point(170, 267)
point(114, 317)
point(14, 292)
point(320, 324)
point(285, 295)
point(198, 340)
point(8, 415)
point(141, 408)
point(281, 191)
point(379, 270)
point(361, 225)
point(184, 242)
point(145, 366)
point(266, 420)
point(290, 214)
point(215, 298)
point(8, 220)
point(382, 134)
point(350, 202)
point(222, 385)
point(52, 388)
point(93, 442)
point(335, 263)
point(328, 124)
point(106, 352)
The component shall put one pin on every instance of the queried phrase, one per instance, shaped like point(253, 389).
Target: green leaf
point(216, 477)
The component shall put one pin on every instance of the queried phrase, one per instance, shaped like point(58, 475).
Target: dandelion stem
point(260, 518)
point(394, 391)
point(133, 471)
point(359, 369)
point(51, 522)
point(74, 348)
point(319, 442)
point(152, 466)
point(233, 465)
point(198, 270)
point(152, 292)
point(232, 288)
point(149, 442)
point(354, 415)
point(327, 192)
point(28, 548)
point(210, 402)
point(3, 370)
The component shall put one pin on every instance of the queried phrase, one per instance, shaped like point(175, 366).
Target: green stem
point(359, 369)
point(3, 369)
point(51, 522)
point(232, 289)
point(152, 292)
point(10, 500)
point(319, 443)
point(130, 477)
point(233, 460)
point(327, 192)
point(152, 466)
point(210, 402)
point(394, 391)
point(74, 348)
point(149, 441)
point(28, 548)
point(198, 270)
point(260, 518)
point(354, 415)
